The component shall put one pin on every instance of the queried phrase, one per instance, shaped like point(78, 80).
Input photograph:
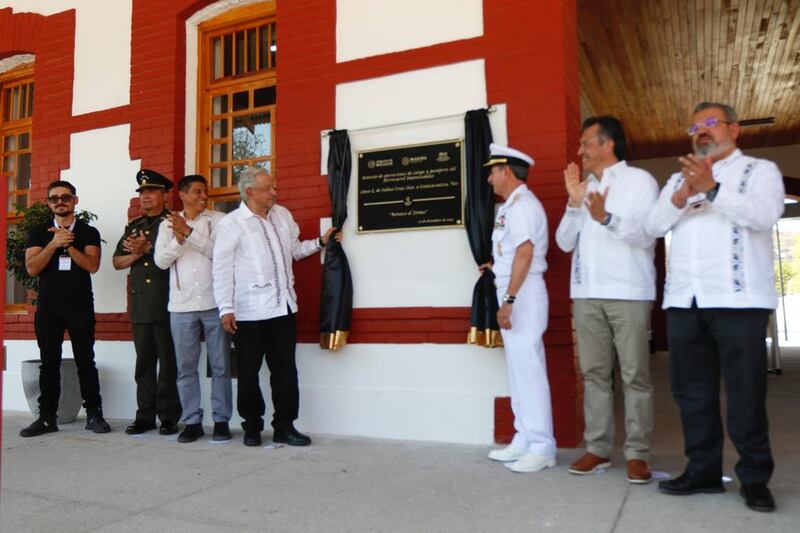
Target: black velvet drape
point(479, 222)
point(336, 305)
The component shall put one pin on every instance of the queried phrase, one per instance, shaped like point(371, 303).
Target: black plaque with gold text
point(411, 187)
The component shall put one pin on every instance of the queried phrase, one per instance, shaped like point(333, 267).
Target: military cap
point(503, 155)
point(150, 179)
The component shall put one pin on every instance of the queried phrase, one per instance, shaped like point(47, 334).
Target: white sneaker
point(532, 462)
point(509, 453)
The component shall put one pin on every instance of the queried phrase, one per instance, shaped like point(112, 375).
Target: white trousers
point(527, 368)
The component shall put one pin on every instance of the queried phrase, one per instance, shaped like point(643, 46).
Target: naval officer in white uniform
point(519, 246)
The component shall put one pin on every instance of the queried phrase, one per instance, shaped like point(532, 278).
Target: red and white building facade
point(129, 84)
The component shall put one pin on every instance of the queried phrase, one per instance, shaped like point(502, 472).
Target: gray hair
point(247, 178)
point(730, 114)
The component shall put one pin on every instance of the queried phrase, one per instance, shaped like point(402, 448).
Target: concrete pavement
point(75, 480)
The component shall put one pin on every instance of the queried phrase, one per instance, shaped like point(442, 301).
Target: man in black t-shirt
point(63, 253)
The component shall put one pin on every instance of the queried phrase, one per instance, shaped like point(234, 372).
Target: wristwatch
point(509, 298)
point(712, 193)
point(321, 242)
point(606, 221)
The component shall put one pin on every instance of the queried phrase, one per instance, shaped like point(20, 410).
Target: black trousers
point(49, 325)
point(707, 343)
point(277, 339)
point(156, 373)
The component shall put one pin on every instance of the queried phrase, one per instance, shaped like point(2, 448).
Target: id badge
point(64, 262)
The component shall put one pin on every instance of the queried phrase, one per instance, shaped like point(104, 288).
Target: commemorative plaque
point(411, 187)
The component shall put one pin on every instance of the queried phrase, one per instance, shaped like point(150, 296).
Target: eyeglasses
point(710, 122)
point(54, 198)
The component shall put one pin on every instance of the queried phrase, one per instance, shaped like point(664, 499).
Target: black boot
point(40, 426)
point(96, 422)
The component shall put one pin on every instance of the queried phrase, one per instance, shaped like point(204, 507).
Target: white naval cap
point(503, 155)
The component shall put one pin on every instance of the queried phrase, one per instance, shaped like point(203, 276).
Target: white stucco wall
point(366, 28)
point(370, 390)
point(101, 170)
point(102, 49)
point(410, 268)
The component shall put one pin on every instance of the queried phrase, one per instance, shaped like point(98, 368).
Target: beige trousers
point(605, 329)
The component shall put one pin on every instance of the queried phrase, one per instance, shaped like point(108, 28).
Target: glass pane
point(263, 40)
point(264, 96)
point(30, 100)
point(273, 46)
point(23, 171)
point(6, 103)
point(23, 100)
point(252, 47)
point(15, 291)
point(22, 202)
point(10, 143)
point(216, 57)
point(241, 100)
point(228, 55)
point(219, 177)
point(252, 136)
point(226, 206)
point(23, 140)
point(219, 104)
point(219, 129)
point(15, 103)
point(240, 48)
point(11, 182)
point(237, 169)
point(219, 153)
point(8, 164)
point(266, 165)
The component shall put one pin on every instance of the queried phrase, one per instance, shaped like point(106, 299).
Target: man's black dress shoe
point(139, 426)
point(40, 426)
point(688, 484)
point(168, 428)
point(252, 438)
point(222, 432)
point(289, 435)
point(191, 433)
point(757, 497)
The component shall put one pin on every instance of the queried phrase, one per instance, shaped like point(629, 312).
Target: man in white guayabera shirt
point(185, 245)
point(613, 288)
point(719, 293)
point(254, 290)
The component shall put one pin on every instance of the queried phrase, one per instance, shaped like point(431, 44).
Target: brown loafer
point(588, 463)
point(639, 471)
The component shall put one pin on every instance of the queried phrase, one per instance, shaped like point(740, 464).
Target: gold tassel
point(333, 341)
point(488, 338)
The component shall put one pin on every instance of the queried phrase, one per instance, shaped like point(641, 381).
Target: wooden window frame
point(22, 75)
point(229, 23)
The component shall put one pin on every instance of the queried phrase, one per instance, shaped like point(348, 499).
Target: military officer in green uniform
point(156, 371)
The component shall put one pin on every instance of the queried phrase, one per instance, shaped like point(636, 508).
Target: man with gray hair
point(254, 291)
point(719, 293)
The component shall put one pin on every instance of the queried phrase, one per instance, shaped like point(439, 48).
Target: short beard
point(706, 150)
